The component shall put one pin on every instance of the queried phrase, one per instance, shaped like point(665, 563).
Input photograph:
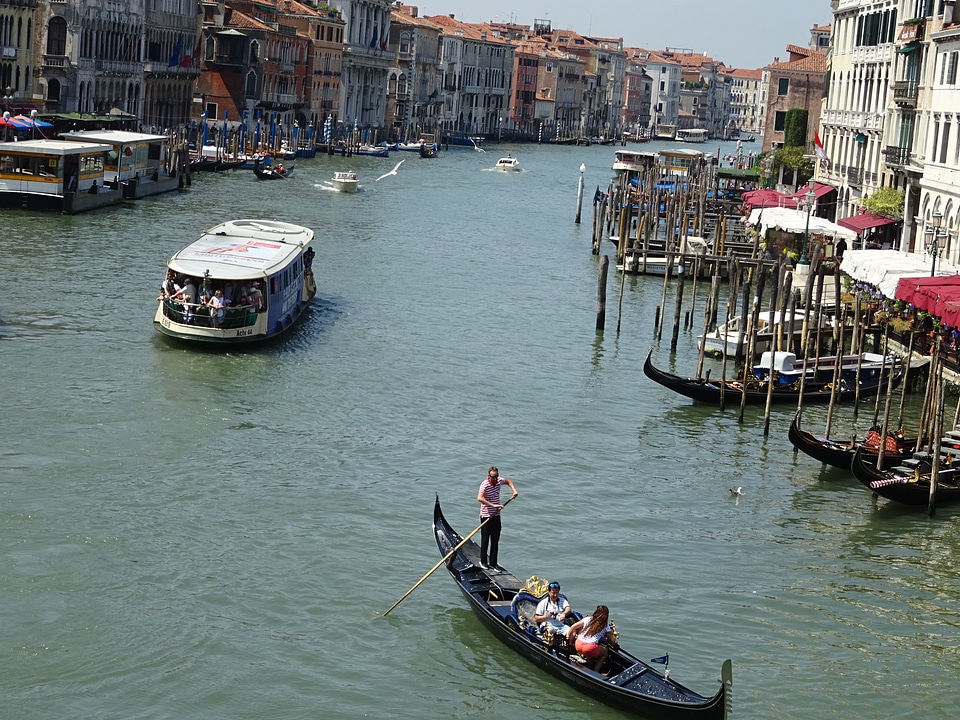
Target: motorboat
point(263, 267)
point(728, 335)
point(507, 163)
point(345, 181)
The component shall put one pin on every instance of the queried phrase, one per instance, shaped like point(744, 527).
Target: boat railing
point(202, 315)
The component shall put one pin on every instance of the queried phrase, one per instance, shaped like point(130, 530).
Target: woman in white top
point(588, 634)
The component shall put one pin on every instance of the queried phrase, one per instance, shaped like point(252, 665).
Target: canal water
point(194, 534)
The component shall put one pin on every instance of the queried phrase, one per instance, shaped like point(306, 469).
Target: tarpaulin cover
point(766, 197)
point(884, 268)
point(797, 221)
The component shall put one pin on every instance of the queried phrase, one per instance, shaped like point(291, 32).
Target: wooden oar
point(443, 560)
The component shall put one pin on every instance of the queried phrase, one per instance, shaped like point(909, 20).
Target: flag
point(175, 58)
point(373, 42)
point(662, 660)
point(187, 58)
point(821, 153)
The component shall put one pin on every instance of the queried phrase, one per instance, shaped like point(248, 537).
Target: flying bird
point(737, 490)
point(392, 172)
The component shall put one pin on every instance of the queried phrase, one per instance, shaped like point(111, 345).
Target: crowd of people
point(211, 299)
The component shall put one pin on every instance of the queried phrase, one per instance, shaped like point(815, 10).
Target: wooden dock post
point(602, 292)
point(583, 168)
point(678, 308)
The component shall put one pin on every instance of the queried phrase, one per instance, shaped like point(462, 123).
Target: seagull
point(737, 490)
point(392, 172)
point(476, 147)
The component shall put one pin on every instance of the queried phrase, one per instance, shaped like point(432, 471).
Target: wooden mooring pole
point(602, 292)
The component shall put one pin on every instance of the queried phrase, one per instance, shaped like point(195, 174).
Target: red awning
point(819, 189)
point(865, 221)
point(938, 296)
point(766, 197)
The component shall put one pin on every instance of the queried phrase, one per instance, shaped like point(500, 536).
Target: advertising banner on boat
point(249, 253)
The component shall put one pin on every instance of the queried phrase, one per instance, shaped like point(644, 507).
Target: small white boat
point(632, 161)
point(732, 331)
point(345, 181)
point(507, 163)
point(261, 272)
point(692, 135)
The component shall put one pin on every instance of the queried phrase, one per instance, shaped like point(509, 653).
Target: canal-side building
point(414, 84)
point(797, 83)
point(637, 91)
point(477, 66)
point(171, 66)
point(90, 56)
point(746, 108)
point(366, 62)
point(17, 57)
point(854, 118)
point(664, 88)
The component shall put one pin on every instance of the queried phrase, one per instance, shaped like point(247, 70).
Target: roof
point(816, 62)
point(241, 249)
point(114, 137)
point(53, 147)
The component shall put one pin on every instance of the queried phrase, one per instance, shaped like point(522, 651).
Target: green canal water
point(202, 535)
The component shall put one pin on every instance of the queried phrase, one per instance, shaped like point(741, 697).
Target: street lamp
point(932, 237)
point(811, 198)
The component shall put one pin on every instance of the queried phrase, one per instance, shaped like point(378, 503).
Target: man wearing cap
point(553, 610)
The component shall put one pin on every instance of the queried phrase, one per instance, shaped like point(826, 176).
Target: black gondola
point(273, 173)
point(907, 488)
point(840, 454)
point(507, 611)
point(428, 151)
point(816, 387)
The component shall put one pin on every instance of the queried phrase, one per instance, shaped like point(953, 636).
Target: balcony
point(896, 156)
point(905, 93)
point(855, 176)
point(52, 61)
point(8, 53)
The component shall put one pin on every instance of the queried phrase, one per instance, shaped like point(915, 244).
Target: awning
point(819, 189)
point(884, 268)
point(909, 48)
point(797, 221)
point(939, 296)
point(865, 221)
point(767, 198)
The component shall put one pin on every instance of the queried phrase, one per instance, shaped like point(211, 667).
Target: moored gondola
point(817, 388)
point(499, 601)
point(840, 454)
point(905, 486)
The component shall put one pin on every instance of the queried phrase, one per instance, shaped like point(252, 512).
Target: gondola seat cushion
point(524, 607)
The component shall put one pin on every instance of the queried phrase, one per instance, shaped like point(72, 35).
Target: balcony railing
point(896, 156)
point(905, 93)
point(55, 61)
point(855, 176)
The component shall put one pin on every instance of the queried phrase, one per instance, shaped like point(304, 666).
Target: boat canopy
point(242, 249)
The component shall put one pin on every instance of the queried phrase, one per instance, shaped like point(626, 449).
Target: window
point(779, 121)
point(57, 36)
point(783, 86)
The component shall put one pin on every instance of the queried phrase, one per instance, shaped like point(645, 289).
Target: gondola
point(907, 488)
point(497, 598)
point(271, 173)
point(816, 387)
point(428, 151)
point(840, 454)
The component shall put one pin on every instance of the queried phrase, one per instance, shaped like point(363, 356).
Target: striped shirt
point(491, 493)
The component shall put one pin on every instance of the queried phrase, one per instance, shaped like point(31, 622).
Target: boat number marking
point(244, 333)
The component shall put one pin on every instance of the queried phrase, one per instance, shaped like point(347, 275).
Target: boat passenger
point(217, 307)
point(553, 610)
point(256, 297)
point(188, 296)
point(169, 287)
point(590, 633)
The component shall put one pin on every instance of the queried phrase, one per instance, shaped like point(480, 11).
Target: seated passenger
point(588, 634)
point(553, 610)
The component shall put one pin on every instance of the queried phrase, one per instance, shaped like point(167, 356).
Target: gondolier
point(490, 507)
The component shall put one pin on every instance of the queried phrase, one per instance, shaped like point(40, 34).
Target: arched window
point(254, 52)
point(53, 90)
point(210, 49)
point(57, 36)
point(250, 89)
